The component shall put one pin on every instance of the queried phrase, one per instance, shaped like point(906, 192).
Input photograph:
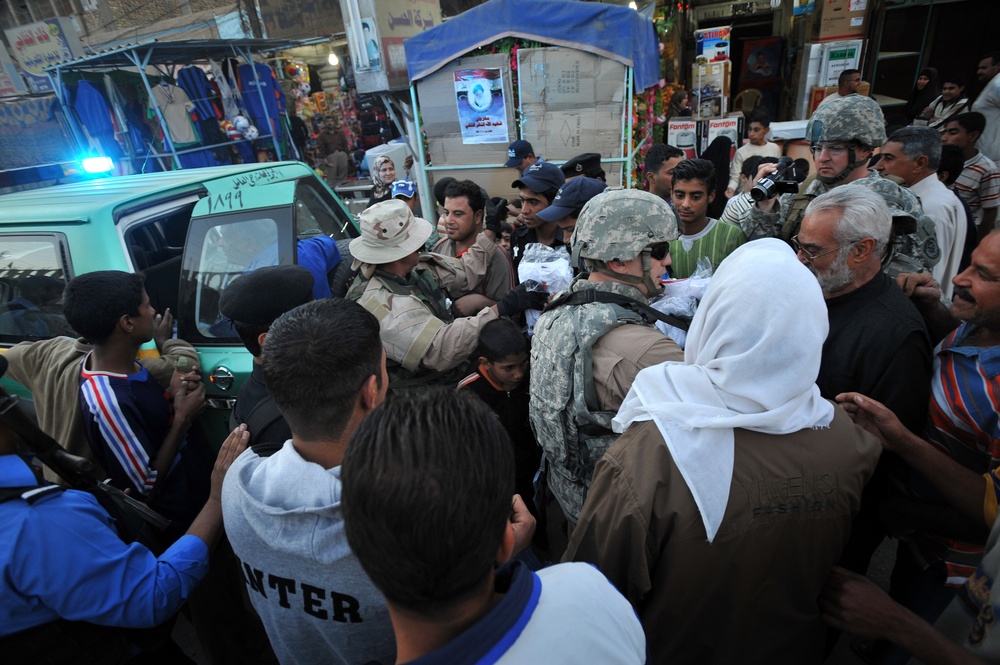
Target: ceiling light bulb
point(632, 5)
point(333, 60)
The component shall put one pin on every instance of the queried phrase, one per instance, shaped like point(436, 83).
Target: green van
point(190, 232)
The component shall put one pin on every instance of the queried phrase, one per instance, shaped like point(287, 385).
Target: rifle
point(132, 518)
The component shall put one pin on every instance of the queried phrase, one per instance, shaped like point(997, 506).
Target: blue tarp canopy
point(611, 31)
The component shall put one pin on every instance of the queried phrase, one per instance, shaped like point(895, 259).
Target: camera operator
point(69, 585)
point(843, 134)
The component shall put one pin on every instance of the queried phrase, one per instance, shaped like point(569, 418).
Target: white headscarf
point(752, 358)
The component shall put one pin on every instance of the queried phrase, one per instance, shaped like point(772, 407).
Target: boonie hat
point(571, 197)
point(389, 232)
point(539, 177)
point(261, 296)
point(403, 187)
point(588, 164)
point(517, 151)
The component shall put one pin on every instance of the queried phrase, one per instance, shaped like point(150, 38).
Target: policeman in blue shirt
point(67, 581)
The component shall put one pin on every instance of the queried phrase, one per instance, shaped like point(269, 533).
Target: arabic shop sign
point(39, 45)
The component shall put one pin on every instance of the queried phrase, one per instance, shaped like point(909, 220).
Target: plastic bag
point(550, 266)
point(681, 297)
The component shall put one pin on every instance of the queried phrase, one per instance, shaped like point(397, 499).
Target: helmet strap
point(852, 163)
point(652, 288)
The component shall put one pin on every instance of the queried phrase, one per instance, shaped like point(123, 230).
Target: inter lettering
point(316, 602)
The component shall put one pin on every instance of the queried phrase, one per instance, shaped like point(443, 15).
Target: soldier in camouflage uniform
point(409, 292)
point(843, 133)
point(587, 349)
point(913, 246)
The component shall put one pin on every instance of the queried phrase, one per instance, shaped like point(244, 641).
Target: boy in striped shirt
point(979, 182)
point(139, 432)
point(701, 237)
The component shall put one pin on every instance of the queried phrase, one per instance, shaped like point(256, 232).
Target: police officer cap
point(261, 296)
point(588, 164)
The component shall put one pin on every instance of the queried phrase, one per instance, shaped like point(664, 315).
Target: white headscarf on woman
point(382, 187)
point(752, 358)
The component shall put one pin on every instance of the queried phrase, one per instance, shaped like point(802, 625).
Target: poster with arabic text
point(482, 110)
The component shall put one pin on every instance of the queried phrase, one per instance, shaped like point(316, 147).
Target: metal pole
point(133, 56)
point(427, 201)
point(627, 166)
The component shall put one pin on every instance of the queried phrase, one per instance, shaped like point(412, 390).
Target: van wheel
point(342, 276)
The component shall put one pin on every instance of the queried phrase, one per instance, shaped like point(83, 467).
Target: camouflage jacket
point(565, 409)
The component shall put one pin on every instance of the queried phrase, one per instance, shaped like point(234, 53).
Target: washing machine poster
point(713, 43)
point(482, 109)
point(682, 133)
point(728, 127)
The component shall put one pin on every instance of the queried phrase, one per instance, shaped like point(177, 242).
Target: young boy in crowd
point(701, 237)
point(659, 166)
point(501, 381)
point(978, 184)
point(757, 144)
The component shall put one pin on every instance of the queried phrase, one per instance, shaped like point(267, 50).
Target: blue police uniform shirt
point(62, 558)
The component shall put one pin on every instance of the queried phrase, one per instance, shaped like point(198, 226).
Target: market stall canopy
point(615, 32)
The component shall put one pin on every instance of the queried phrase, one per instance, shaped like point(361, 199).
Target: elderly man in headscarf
point(721, 510)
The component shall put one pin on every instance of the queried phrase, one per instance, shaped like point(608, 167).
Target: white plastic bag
point(550, 267)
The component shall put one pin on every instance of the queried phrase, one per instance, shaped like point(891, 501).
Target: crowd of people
point(412, 477)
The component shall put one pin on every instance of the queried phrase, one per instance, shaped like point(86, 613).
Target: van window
point(219, 249)
point(316, 213)
point(155, 247)
point(33, 274)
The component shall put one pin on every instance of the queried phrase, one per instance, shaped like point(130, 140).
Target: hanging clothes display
point(175, 105)
point(195, 83)
point(273, 97)
point(94, 113)
point(228, 94)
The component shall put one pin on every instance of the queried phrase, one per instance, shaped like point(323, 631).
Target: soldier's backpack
point(565, 415)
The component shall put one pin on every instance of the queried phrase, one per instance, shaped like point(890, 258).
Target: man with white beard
point(877, 337)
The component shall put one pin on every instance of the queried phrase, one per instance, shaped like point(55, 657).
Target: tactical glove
point(496, 213)
point(526, 295)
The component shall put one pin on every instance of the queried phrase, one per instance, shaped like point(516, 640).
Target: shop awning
point(187, 51)
point(615, 32)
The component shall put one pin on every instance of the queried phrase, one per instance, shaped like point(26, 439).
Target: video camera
point(783, 181)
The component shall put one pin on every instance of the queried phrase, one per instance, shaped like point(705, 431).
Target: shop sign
point(713, 43)
point(11, 82)
point(39, 45)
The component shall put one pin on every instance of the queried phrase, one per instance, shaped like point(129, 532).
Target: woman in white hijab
point(721, 510)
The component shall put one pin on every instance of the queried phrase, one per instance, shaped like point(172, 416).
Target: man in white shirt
point(988, 103)
point(912, 154)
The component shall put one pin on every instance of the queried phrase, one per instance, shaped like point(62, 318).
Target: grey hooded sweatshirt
point(282, 515)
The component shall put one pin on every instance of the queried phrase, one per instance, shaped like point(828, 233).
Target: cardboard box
point(731, 127)
point(710, 88)
point(842, 19)
point(682, 133)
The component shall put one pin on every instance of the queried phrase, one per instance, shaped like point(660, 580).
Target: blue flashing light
point(98, 165)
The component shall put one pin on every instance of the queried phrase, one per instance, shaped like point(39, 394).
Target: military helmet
point(901, 201)
point(620, 224)
point(851, 118)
